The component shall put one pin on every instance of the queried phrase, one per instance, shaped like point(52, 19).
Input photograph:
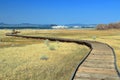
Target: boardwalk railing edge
point(115, 59)
point(83, 59)
point(82, 42)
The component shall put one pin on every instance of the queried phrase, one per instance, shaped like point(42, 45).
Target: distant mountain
point(43, 26)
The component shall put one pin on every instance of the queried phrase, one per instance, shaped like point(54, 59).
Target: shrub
point(46, 42)
point(51, 47)
point(109, 26)
point(94, 37)
point(101, 27)
point(44, 57)
point(114, 25)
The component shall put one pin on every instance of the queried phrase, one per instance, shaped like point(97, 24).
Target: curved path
point(98, 64)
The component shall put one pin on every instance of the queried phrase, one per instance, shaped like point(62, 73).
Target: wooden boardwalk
point(99, 65)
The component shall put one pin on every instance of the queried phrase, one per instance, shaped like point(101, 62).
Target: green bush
point(94, 37)
point(44, 57)
point(52, 47)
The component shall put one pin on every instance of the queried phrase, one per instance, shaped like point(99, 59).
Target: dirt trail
point(99, 65)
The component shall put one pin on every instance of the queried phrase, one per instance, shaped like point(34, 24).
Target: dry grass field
point(111, 37)
point(31, 59)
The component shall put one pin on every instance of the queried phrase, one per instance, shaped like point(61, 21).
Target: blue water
point(43, 26)
point(25, 27)
point(38, 28)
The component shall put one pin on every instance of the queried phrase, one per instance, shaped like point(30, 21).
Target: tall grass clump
point(50, 47)
point(46, 42)
point(44, 57)
point(94, 37)
point(57, 42)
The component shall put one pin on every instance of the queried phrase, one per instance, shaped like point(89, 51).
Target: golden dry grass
point(24, 59)
point(111, 37)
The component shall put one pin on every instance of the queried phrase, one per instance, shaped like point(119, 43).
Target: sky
point(59, 11)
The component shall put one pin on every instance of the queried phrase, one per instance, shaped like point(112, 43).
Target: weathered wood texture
point(99, 65)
